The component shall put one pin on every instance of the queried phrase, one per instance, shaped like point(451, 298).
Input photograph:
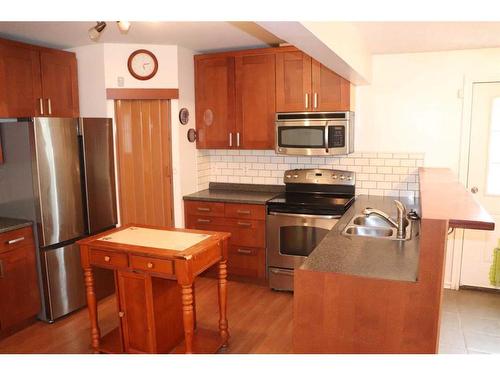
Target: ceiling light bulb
point(124, 26)
point(95, 32)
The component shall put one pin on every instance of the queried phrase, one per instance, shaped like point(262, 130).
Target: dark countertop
point(236, 193)
point(366, 256)
point(8, 224)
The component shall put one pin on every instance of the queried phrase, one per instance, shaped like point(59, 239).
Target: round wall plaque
point(191, 135)
point(184, 116)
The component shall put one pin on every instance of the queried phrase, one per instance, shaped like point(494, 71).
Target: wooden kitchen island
point(155, 269)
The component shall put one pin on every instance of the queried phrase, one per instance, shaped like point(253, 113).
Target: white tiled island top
point(155, 238)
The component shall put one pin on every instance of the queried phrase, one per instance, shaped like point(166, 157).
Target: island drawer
point(108, 258)
point(202, 208)
point(247, 261)
point(152, 264)
point(245, 211)
point(16, 239)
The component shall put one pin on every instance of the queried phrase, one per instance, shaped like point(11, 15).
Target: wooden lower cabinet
point(247, 225)
point(150, 313)
point(20, 298)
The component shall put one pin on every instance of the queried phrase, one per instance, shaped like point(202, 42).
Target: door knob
point(474, 190)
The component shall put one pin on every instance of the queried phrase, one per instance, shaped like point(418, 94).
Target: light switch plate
point(120, 81)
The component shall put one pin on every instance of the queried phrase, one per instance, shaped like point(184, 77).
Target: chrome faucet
point(399, 224)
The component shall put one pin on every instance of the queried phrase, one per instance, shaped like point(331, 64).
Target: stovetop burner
point(315, 192)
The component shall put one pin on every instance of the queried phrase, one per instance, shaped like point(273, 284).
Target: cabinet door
point(137, 321)
point(18, 286)
point(293, 82)
point(215, 122)
point(59, 83)
point(255, 101)
point(330, 92)
point(20, 92)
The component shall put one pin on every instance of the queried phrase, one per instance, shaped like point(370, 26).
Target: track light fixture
point(95, 32)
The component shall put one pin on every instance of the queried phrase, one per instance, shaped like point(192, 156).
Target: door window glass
point(302, 136)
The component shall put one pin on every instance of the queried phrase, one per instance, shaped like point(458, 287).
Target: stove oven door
point(292, 237)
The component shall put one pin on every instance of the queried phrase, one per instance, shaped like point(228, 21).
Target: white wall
point(91, 82)
point(413, 103)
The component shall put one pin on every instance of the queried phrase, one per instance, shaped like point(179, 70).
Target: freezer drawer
point(63, 278)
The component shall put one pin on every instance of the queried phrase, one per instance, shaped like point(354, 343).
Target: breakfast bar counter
point(155, 269)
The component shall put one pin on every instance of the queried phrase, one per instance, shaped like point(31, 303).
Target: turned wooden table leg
point(95, 333)
point(223, 327)
point(188, 316)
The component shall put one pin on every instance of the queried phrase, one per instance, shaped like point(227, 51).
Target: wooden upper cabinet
point(293, 82)
point(37, 81)
point(215, 102)
point(330, 92)
point(59, 83)
point(20, 91)
point(255, 101)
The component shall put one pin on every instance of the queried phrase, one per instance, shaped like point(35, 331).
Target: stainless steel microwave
point(315, 133)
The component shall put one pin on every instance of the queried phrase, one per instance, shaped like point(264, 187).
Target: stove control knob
point(342, 177)
point(288, 176)
point(295, 176)
point(349, 178)
point(334, 176)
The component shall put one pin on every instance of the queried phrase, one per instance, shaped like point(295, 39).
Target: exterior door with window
point(484, 181)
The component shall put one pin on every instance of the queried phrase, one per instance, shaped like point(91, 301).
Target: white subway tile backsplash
point(393, 174)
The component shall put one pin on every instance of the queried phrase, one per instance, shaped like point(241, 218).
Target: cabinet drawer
point(108, 258)
point(247, 261)
point(15, 239)
point(152, 264)
point(244, 232)
point(245, 211)
point(206, 223)
point(215, 209)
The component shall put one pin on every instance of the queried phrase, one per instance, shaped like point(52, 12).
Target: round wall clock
point(142, 64)
point(184, 116)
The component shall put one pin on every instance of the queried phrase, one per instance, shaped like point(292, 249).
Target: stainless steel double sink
point(378, 227)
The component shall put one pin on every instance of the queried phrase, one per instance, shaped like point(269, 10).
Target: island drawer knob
point(121, 314)
point(107, 258)
point(150, 265)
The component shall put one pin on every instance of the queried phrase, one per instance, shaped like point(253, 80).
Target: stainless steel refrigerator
point(59, 172)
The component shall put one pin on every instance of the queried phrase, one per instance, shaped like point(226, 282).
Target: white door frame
point(463, 165)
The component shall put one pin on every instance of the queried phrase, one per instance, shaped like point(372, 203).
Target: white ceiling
point(380, 37)
point(198, 36)
point(401, 37)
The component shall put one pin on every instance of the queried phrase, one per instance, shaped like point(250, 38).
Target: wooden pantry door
point(145, 162)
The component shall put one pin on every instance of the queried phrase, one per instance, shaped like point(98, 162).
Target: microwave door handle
point(326, 137)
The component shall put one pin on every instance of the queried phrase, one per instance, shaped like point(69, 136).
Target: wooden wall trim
point(142, 94)
point(253, 51)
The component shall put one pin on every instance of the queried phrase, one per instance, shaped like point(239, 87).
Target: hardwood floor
point(260, 321)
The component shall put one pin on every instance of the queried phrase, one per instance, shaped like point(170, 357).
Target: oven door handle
point(305, 216)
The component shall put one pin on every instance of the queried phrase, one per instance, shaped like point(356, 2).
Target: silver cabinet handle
point(237, 139)
point(40, 101)
point(49, 105)
point(243, 251)
point(307, 100)
point(315, 100)
point(243, 212)
point(11, 242)
point(230, 139)
point(474, 190)
point(242, 224)
point(203, 209)
point(203, 221)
